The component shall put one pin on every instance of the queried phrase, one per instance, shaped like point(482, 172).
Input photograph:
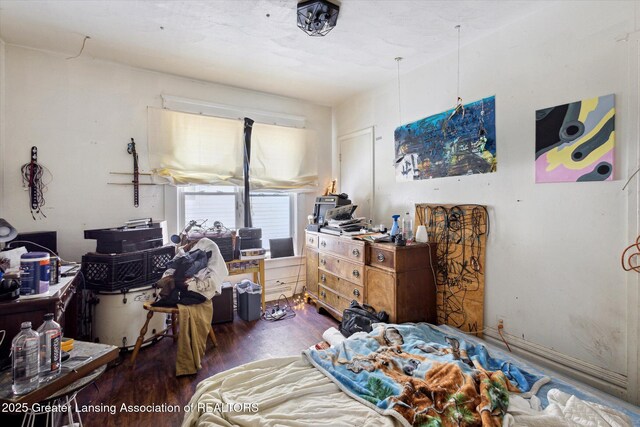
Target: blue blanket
point(421, 376)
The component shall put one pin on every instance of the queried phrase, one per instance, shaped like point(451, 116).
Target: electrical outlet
point(500, 324)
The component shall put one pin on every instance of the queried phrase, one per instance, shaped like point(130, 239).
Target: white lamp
point(7, 232)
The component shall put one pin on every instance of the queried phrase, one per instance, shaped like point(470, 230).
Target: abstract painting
point(574, 142)
point(460, 141)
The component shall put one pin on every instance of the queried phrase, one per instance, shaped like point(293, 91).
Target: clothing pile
point(193, 277)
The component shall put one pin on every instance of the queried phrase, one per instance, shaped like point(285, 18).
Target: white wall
point(553, 256)
point(80, 114)
point(2, 124)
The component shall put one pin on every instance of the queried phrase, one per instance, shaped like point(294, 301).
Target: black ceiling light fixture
point(317, 17)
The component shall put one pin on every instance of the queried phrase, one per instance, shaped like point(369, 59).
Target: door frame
point(633, 223)
point(368, 130)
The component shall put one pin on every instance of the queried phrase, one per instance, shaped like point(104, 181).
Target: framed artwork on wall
point(575, 142)
point(460, 141)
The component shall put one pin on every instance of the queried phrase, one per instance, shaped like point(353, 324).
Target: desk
point(32, 308)
point(255, 266)
point(100, 354)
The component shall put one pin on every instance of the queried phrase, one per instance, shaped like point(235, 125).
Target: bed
point(400, 375)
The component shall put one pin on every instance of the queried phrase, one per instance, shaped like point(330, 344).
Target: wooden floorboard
point(153, 381)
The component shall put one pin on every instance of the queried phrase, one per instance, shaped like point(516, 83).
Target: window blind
point(283, 158)
point(187, 148)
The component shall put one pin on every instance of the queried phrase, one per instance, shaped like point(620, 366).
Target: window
point(271, 211)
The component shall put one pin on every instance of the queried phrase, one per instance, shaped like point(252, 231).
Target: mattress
point(290, 391)
point(558, 381)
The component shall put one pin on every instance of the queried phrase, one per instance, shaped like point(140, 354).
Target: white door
point(356, 170)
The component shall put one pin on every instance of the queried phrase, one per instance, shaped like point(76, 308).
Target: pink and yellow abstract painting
point(575, 142)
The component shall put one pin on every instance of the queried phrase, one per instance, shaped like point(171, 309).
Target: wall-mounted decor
point(460, 235)
point(574, 142)
point(460, 141)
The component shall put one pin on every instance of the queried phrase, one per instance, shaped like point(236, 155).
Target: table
point(100, 355)
point(255, 266)
point(32, 308)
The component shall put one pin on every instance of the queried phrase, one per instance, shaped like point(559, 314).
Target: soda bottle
point(50, 351)
point(25, 361)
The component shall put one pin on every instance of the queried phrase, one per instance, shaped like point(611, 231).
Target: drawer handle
point(380, 257)
point(323, 261)
point(356, 273)
point(355, 252)
point(323, 278)
point(310, 240)
point(323, 243)
point(323, 294)
point(356, 292)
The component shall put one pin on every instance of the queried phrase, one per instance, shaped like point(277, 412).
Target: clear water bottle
point(50, 351)
point(407, 228)
point(25, 360)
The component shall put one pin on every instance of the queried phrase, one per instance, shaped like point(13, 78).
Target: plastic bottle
point(25, 361)
point(50, 352)
point(407, 229)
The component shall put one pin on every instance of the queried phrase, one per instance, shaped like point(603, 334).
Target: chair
point(281, 247)
point(173, 311)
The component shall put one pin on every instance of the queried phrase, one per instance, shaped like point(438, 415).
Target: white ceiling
point(234, 42)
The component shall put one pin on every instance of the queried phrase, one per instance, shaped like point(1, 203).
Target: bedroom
point(553, 273)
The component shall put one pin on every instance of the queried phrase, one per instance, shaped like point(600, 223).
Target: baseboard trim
point(603, 379)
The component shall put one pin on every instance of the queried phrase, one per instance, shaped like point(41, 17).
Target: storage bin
point(249, 300)
point(156, 261)
point(103, 272)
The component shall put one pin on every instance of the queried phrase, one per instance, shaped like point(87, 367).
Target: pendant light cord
point(398, 59)
point(458, 89)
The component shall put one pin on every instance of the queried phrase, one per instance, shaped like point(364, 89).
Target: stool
point(173, 311)
point(65, 397)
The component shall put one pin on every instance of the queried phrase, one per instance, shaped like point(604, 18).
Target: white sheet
point(287, 391)
point(564, 410)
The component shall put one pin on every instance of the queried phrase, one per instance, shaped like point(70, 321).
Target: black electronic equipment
point(325, 203)
point(126, 239)
point(38, 241)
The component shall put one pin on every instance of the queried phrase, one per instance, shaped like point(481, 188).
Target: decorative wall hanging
point(33, 181)
point(574, 142)
point(460, 141)
point(460, 233)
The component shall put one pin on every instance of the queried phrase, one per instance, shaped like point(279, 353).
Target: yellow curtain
point(283, 158)
point(189, 148)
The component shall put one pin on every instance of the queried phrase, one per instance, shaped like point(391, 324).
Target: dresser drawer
point(342, 268)
point(334, 300)
point(379, 257)
point(348, 290)
point(349, 249)
point(311, 240)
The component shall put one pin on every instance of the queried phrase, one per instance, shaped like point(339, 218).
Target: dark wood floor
point(153, 382)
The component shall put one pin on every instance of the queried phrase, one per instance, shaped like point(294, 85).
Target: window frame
point(238, 192)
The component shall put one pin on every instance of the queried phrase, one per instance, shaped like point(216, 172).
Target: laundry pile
point(193, 277)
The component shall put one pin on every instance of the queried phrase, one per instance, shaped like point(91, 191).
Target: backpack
point(358, 318)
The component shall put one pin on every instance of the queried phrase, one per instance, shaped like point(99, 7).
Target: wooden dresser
point(396, 279)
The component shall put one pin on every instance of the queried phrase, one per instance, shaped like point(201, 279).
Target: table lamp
point(7, 232)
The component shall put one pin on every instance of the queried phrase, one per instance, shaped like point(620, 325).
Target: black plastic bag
point(359, 318)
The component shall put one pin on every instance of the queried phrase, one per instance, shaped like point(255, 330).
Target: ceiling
point(256, 44)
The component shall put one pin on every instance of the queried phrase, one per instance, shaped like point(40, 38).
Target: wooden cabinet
point(398, 280)
point(312, 271)
point(59, 300)
point(340, 271)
